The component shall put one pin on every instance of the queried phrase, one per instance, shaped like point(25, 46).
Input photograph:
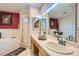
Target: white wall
point(43, 7)
point(24, 29)
point(8, 33)
point(67, 25)
point(33, 12)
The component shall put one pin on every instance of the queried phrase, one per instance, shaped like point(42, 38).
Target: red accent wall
point(54, 23)
point(15, 21)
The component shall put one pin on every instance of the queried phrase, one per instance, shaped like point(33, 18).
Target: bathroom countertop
point(42, 44)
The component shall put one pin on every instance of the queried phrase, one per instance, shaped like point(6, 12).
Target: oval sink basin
point(58, 48)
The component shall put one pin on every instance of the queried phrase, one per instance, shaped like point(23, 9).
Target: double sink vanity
point(56, 28)
point(51, 47)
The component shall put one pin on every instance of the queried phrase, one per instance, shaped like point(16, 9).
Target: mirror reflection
point(61, 20)
point(39, 24)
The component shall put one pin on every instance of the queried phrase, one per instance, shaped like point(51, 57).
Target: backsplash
point(9, 33)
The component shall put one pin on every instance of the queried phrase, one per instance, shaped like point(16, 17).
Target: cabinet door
point(42, 52)
point(35, 50)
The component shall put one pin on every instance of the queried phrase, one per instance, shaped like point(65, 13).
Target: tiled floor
point(23, 53)
point(27, 52)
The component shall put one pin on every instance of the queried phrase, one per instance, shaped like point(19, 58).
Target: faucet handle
point(45, 33)
point(70, 37)
point(62, 41)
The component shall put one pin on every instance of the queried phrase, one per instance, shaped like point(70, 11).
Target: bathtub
point(8, 44)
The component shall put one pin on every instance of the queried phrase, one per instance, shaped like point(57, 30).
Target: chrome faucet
point(42, 37)
point(61, 41)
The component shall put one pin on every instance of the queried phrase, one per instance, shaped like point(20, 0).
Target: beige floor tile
point(23, 53)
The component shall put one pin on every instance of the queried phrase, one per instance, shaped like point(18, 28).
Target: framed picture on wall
point(54, 23)
point(6, 19)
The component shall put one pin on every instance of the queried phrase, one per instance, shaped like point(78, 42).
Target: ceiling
point(17, 7)
point(62, 10)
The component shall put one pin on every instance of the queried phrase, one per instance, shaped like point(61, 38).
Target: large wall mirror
point(62, 19)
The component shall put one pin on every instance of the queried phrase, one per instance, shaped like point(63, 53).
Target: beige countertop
point(42, 43)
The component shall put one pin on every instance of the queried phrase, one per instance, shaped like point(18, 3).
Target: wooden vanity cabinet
point(42, 52)
point(37, 50)
point(34, 48)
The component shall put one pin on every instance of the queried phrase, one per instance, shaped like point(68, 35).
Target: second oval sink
point(58, 48)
